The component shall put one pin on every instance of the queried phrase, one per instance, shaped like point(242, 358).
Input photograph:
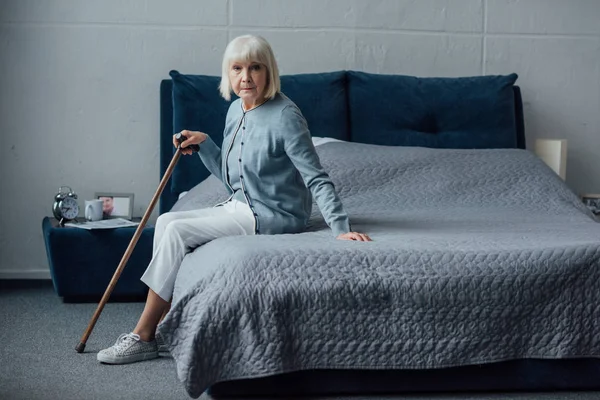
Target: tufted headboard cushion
point(396, 110)
point(476, 112)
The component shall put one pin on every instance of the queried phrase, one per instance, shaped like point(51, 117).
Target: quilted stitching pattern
point(478, 256)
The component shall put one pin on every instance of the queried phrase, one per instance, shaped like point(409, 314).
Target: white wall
point(79, 80)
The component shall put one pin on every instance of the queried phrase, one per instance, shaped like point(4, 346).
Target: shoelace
point(125, 341)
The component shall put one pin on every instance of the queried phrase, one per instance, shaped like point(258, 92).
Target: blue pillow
point(322, 100)
point(198, 105)
point(397, 110)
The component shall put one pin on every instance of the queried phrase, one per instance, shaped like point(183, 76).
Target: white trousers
point(177, 233)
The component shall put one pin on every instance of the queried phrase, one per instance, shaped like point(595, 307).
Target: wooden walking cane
point(138, 232)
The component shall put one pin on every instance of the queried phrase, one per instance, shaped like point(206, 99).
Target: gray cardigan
point(279, 167)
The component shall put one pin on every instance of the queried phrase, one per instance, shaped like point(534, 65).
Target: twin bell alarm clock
point(65, 207)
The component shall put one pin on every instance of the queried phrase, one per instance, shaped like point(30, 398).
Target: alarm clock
point(65, 207)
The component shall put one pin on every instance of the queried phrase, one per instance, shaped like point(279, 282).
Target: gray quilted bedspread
point(477, 256)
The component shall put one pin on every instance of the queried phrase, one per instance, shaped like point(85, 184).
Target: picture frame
point(116, 205)
point(592, 201)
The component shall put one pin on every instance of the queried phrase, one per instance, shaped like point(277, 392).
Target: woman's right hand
point(193, 137)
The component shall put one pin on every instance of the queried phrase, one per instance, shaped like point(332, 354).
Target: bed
point(483, 273)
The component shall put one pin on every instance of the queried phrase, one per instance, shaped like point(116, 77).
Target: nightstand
point(82, 262)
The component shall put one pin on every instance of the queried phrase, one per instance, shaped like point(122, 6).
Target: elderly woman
point(269, 166)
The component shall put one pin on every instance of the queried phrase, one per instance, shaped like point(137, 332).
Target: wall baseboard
point(20, 274)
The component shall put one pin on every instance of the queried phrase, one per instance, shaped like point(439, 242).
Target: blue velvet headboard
point(327, 101)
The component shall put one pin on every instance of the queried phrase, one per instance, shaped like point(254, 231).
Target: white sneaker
point(128, 349)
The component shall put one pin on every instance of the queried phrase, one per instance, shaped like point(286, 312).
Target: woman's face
point(248, 81)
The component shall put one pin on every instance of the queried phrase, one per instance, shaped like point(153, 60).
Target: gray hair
point(250, 48)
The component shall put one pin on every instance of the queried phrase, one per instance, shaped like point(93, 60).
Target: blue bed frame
point(515, 375)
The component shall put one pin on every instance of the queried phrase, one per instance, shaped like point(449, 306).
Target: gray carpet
point(38, 361)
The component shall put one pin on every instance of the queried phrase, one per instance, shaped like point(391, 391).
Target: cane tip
point(80, 347)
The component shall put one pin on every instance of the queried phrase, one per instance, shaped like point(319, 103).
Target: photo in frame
point(592, 201)
point(116, 205)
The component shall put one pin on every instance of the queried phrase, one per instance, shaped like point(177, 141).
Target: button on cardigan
point(280, 167)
